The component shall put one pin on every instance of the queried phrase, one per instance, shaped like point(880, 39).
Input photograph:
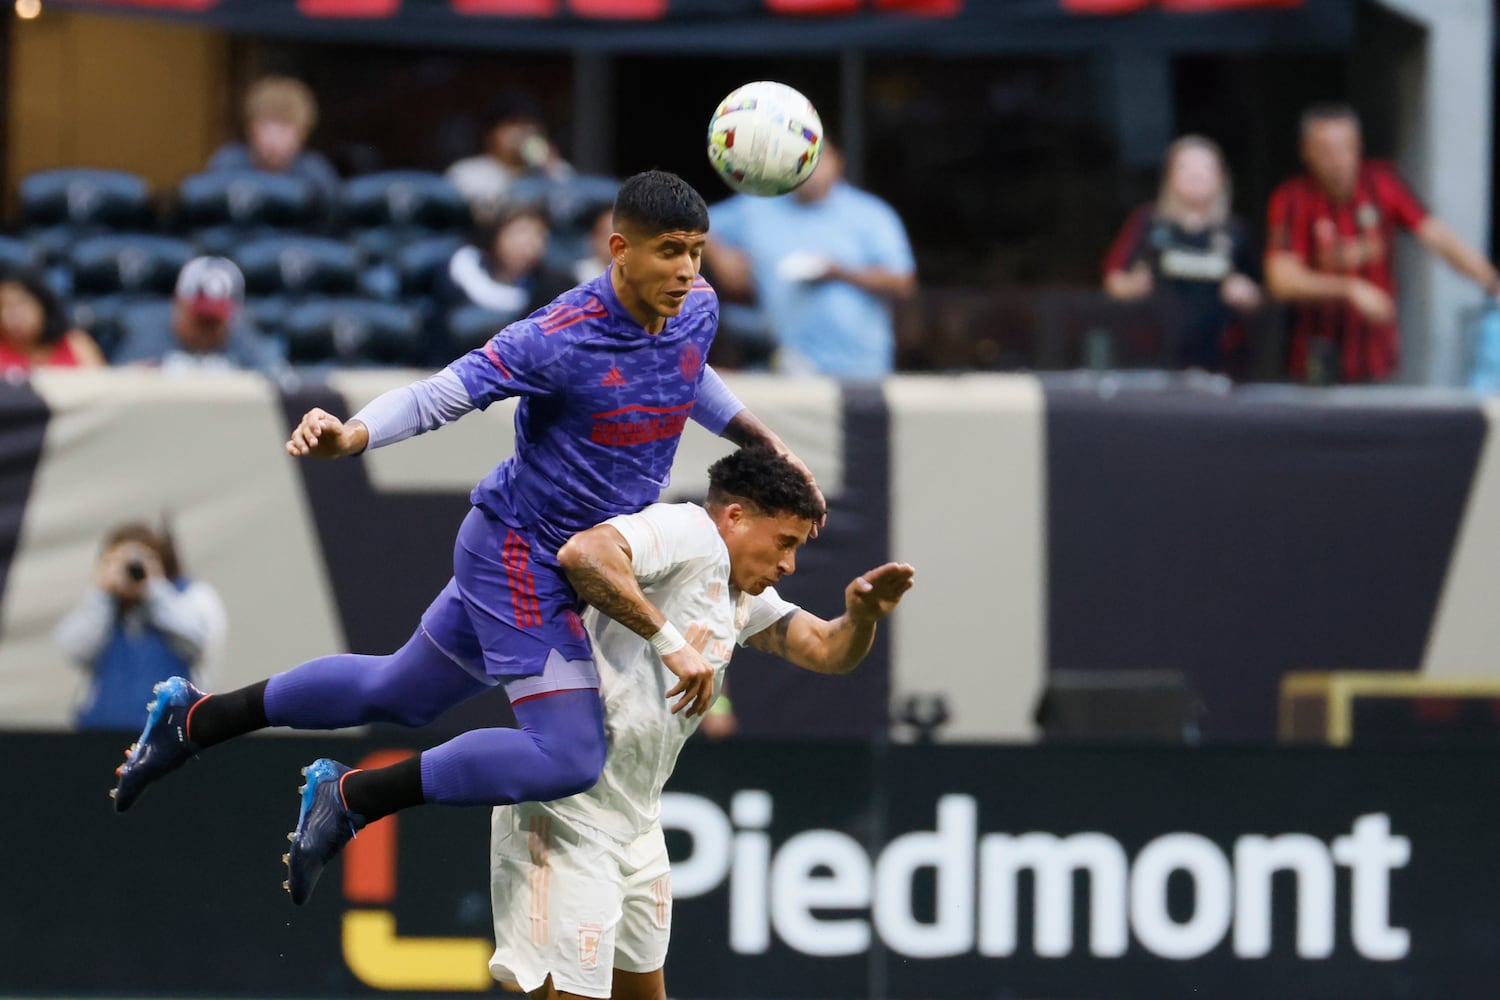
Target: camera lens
point(136, 569)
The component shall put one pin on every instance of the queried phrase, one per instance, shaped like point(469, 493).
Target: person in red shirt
point(1330, 253)
point(35, 330)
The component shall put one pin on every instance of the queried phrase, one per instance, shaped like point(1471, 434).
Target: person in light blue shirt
point(824, 264)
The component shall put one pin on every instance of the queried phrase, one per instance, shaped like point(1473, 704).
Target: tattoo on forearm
point(773, 640)
point(626, 605)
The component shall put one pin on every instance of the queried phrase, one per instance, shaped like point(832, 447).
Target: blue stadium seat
point(379, 281)
point(225, 241)
point(574, 201)
point(417, 264)
point(85, 199)
point(570, 202)
point(268, 313)
point(247, 200)
point(299, 265)
point(130, 263)
point(102, 316)
point(352, 332)
point(403, 199)
point(141, 319)
point(19, 255)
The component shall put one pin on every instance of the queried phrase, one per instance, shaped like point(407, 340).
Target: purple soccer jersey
point(603, 406)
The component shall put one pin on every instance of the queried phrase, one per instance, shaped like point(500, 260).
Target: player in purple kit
point(607, 376)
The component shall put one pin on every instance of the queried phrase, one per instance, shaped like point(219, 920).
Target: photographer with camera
point(142, 622)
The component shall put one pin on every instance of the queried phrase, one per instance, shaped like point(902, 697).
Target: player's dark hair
point(758, 477)
point(658, 202)
point(1328, 111)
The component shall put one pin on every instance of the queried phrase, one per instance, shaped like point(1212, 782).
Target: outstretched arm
point(1466, 260)
point(392, 416)
point(597, 562)
point(837, 647)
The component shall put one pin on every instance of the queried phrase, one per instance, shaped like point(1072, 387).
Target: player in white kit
point(581, 886)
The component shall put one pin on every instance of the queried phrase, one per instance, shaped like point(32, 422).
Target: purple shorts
point(509, 609)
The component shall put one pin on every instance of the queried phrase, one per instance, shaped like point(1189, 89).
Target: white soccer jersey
point(683, 568)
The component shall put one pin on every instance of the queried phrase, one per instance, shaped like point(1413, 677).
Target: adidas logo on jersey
point(613, 378)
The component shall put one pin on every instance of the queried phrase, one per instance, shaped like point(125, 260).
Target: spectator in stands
point(824, 263)
point(504, 269)
point(1191, 255)
point(207, 330)
point(1331, 253)
point(280, 114)
point(515, 145)
point(142, 621)
point(35, 330)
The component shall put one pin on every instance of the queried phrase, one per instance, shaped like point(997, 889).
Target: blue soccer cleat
point(163, 745)
point(324, 826)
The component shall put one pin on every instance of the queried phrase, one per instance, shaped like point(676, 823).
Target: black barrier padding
point(181, 896)
point(1238, 539)
point(23, 428)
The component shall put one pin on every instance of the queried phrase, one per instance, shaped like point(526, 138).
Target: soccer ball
point(765, 138)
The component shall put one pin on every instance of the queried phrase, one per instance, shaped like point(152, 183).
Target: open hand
point(875, 594)
point(695, 681)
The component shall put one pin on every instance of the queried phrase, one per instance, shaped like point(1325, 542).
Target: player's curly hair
point(758, 477)
point(659, 202)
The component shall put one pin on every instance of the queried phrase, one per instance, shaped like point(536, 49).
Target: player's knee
point(389, 700)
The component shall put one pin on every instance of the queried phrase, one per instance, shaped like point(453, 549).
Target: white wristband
point(667, 639)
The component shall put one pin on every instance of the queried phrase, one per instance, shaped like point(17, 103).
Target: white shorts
point(574, 904)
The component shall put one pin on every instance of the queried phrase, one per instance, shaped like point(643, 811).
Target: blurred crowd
point(267, 260)
point(1329, 263)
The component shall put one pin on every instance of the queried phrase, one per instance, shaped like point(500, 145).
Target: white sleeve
point(400, 413)
point(86, 629)
point(765, 609)
point(665, 535)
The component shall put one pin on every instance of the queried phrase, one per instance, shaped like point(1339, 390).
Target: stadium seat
point(403, 199)
point(575, 201)
point(268, 313)
point(379, 281)
point(471, 326)
point(225, 241)
point(129, 263)
point(100, 317)
point(299, 265)
point(19, 255)
point(417, 264)
point(570, 202)
point(247, 200)
point(85, 199)
point(141, 318)
point(351, 332)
